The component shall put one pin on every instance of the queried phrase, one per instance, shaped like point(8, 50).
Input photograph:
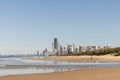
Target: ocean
point(12, 65)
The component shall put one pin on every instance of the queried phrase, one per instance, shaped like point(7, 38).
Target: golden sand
point(80, 58)
point(82, 74)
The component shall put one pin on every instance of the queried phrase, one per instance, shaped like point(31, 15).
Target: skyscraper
point(55, 46)
point(56, 43)
point(61, 50)
point(38, 53)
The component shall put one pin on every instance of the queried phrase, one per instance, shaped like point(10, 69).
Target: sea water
point(15, 66)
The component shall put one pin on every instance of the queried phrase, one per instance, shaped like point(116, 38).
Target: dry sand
point(82, 74)
point(81, 58)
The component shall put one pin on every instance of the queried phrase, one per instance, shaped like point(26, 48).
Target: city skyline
point(56, 49)
point(32, 25)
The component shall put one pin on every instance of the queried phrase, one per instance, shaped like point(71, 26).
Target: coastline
point(80, 74)
point(107, 58)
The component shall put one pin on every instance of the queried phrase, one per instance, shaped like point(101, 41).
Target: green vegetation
point(108, 51)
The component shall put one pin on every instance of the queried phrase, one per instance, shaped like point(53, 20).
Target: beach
point(107, 58)
point(82, 74)
point(103, 73)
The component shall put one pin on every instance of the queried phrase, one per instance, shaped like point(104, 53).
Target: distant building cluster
point(92, 48)
point(58, 49)
point(44, 53)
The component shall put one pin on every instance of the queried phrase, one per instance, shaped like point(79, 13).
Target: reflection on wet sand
point(20, 66)
point(6, 72)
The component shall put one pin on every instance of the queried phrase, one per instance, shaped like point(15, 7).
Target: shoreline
point(81, 74)
point(111, 73)
point(106, 58)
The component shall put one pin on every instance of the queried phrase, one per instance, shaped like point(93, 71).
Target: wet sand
point(82, 74)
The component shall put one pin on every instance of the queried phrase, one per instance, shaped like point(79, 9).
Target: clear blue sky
point(32, 24)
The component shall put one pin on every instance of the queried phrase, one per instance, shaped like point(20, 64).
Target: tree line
point(107, 51)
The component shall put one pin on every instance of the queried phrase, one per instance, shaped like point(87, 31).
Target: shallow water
point(6, 72)
point(15, 66)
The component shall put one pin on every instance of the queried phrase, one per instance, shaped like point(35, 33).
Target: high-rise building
point(38, 53)
point(55, 46)
point(61, 50)
point(70, 49)
point(107, 46)
point(77, 50)
point(82, 48)
point(65, 51)
point(56, 43)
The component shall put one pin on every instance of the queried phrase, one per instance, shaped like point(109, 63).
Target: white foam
point(6, 72)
